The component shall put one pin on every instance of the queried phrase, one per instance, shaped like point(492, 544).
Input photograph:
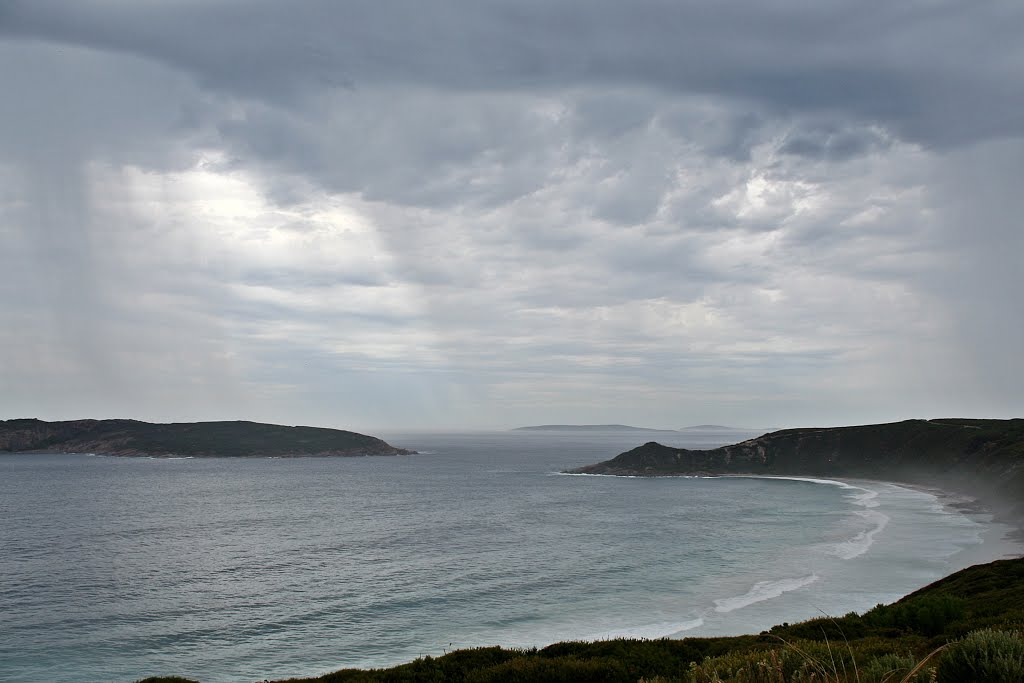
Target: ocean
point(225, 570)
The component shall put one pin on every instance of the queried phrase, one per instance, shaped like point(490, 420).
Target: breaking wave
point(763, 590)
point(859, 544)
point(865, 498)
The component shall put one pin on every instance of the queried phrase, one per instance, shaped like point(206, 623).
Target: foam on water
point(764, 590)
point(649, 631)
point(631, 476)
point(866, 498)
point(862, 542)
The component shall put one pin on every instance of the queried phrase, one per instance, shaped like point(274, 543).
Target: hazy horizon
point(469, 215)
point(610, 427)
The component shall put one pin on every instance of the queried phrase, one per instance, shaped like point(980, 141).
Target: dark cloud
point(832, 143)
point(921, 70)
point(65, 104)
point(724, 128)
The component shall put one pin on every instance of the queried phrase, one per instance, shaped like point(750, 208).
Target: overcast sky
point(382, 215)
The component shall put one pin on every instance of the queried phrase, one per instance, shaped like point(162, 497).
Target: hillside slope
point(196, 439)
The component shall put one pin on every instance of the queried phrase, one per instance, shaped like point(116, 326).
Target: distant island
point(587, 428)
point(714, 428)
point(984, 458)
point(236, 439)
point(628, 428)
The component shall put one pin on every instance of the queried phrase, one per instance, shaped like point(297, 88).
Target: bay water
point(224, 570)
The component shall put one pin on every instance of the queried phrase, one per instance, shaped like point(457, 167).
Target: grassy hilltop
point(197, 439)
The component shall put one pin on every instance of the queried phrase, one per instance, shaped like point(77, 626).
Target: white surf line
point(632, 476)
point(647, 631)
point(859, 544)
point(847, 550)
point(759, 592)
point(767, 589)
point(763, 590)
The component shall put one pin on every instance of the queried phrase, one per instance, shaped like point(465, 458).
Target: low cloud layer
point(486, 214)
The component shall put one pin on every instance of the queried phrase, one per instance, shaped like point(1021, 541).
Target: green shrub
point(562, 670)
point(786, 663)
point(987, 656)
point(892, 668)
point(928, 614)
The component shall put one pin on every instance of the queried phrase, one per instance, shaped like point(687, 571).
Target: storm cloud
point(483, 214)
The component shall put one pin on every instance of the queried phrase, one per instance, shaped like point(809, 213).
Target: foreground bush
point(986, 655)
point(810, 662)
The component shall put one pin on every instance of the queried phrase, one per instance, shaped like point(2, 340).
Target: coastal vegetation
point(195, 439)
point(966, 627)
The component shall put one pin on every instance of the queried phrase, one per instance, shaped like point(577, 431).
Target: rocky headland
point(194, 439)
point(982, 458)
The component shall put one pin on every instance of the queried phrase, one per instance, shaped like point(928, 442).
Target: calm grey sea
point(112, 569)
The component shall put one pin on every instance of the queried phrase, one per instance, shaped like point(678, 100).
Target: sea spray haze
point(229, 570)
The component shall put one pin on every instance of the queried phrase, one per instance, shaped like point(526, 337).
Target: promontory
point(981, 457)
point(195, 439)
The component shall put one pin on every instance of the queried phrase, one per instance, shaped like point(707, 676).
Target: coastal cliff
point(983, 457)
point(195, 439)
